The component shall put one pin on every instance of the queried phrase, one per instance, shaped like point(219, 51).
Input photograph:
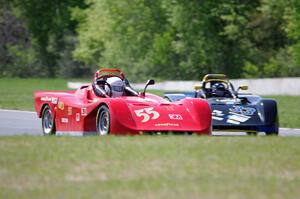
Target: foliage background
point(166, 39)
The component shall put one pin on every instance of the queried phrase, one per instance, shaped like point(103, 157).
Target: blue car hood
point(229, 111)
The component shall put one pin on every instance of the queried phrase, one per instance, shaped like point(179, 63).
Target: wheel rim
point(47, 122)
point(103, 124)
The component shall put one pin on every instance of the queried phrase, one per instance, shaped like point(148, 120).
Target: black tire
point(271, 133)
point(275, 132)
point(251, 133)
point(275, 128)
point(103, 121)
point(48, 123)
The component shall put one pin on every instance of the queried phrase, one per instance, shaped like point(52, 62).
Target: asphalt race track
point(19, 123)
point(27, 123)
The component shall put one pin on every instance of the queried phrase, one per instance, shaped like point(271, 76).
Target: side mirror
point(198, 87)
point(149, 82)
point(243, 87)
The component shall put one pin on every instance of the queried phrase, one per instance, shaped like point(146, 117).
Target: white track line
point(17, 111)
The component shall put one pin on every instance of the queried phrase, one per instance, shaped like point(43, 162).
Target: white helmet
point(117, 86)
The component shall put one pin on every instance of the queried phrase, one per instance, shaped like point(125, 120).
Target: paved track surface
point(19, 123)
point(27, 123)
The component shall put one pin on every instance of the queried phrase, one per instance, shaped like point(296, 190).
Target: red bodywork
point(75, 112)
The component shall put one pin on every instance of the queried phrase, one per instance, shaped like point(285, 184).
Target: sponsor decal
point(242, 110)
point(228, 100)
point(77, 117)
point(53, 100)
point(237, 118)
point(240, 118)
point(232, 118)
point(61, 105)
point(70, 110)
point(232, 122)
point(46, 99)
point(83, 111)
point(175, 117)
point(217, 115)
point(147, 114)
point(166, 124)
point(64, 120)
point(217, 118)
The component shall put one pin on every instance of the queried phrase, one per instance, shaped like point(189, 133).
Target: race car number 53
point(147, 113)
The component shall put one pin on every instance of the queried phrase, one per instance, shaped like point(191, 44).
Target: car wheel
point(272, 133)
point(48, 121)
point(275, 129)
point(103, 120)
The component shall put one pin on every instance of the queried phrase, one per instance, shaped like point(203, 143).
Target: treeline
point(166, 39)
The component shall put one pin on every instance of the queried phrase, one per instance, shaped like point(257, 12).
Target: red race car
point(111, 106)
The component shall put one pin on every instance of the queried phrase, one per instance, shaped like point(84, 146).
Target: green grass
point(289, 110)
point(18, 94)
point(149, 167)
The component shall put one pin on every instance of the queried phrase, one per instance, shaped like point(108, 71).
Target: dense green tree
point(167, 39)
point(177, 39)
point(48, 23)
point(292, 15)
point(16, 55)
point(117, 33)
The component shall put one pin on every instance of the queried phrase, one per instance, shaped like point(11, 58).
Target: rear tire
point(272, 133)
point(103, 121)
point(48, 123)
point(251, 133)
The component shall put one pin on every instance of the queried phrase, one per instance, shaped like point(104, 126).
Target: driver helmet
point(117, 86)
point(218, 89)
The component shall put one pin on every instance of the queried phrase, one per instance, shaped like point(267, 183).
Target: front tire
point(48, 123)
point(271, 133)
point(103, 120)
point(275, 128)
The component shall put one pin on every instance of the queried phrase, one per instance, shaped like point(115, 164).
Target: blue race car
point(231, 110)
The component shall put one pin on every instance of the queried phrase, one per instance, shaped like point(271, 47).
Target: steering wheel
point(101, 91)
point(109, 87)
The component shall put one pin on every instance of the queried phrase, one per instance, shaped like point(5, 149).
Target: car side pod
point(201, 111)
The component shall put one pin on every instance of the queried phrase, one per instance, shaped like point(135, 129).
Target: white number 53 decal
point(146, 113)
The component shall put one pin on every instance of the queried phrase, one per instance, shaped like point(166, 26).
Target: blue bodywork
point(246, 112)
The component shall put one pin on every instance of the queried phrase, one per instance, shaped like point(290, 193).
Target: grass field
point(150, 167)
point(146, 166)
point(289, 110)
point(18, 94)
